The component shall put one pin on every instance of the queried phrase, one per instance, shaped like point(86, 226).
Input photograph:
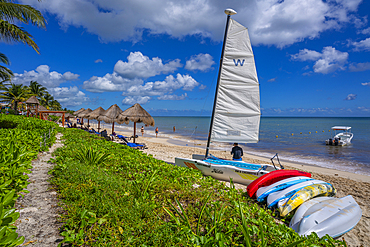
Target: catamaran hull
point(225, 172)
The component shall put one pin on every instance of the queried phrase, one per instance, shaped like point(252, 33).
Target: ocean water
point(297, 139)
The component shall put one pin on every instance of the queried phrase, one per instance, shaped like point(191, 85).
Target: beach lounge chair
point(131, 144)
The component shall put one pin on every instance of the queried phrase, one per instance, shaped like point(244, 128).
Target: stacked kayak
point(312, 201)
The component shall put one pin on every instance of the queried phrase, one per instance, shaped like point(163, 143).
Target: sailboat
point(236, 109)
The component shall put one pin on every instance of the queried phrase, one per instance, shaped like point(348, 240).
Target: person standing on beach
point(237, 152)
point(142, 130)
point(156, 132)
point(174, 129)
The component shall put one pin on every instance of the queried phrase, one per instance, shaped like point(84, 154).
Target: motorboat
point(342, 138)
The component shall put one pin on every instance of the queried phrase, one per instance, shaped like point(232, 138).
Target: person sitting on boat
point(237, 152)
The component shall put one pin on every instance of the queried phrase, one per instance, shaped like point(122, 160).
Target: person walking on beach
point(237, 152)
point(142, 130)
point(174, 129)
point(156, 132)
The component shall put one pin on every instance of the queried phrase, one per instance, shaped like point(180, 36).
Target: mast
point(229, 12)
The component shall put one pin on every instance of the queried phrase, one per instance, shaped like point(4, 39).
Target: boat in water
point(342, 138)
point(236, 109)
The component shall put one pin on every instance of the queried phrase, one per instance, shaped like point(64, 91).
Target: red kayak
point(273, 177)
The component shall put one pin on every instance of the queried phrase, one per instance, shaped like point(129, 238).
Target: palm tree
point(14, 94)
point(47, 100)
point(5, 73)
point(12, 13)
point(37, 89)
point(55, 105)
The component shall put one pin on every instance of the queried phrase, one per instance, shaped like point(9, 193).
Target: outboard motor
point(336, 142)
point(330, 141)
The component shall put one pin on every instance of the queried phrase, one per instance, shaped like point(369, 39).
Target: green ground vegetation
point(113, 195)
point(21, 139)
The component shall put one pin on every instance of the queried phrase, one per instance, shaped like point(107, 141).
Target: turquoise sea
point(298, 139)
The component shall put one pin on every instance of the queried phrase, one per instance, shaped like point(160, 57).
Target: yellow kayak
point(305, 194)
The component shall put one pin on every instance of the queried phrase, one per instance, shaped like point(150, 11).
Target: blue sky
point(312, 56)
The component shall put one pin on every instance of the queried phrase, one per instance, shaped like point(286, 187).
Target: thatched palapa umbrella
point(78, 111)
point(136, 114)
point(83, 113)
point(95, 114)
point(111, 116)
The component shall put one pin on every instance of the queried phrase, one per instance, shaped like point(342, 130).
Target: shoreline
point(200, 149)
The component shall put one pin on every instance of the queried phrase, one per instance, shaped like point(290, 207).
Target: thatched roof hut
point(32, 100)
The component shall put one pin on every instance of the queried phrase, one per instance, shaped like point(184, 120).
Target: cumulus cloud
point(270, 22)
point(66, 96)
point(98, 61)
point(328, 61)
point(173, 97)
point(202, 62)
point(109, 83)
point(71, 96)
point(366, 31)
point(365, 84)
point(130, 100)
point(44, 77)
point(140, 66)
point(363, 45)
point(357, 67)
point(158, 88)
point(129, 77)
point(351, 97)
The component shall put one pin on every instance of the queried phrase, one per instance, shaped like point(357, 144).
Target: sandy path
point(39, 211)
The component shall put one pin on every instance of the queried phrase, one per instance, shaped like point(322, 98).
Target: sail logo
point(237, 62)
point(191, 165)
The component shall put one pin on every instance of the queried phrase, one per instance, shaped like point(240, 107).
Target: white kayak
point(325, 215)
point(238, 171)
point(263, 192)
point(285, 194)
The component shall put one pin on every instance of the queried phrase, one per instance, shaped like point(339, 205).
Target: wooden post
point(134, 131)
point(63, 119)
point(98, 126)
point(112, 127)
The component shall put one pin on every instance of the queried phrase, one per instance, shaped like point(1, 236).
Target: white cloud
point(351, 97)
point(98, 61)
point(359, 67)
point(140, 66)
point(270, 22)
point(201, 62)
point(44, 77)
point(365, 84)
point(328, 61)
point(169, 85)
point(272, 79)
point(202, 86)
point(109, 83)
point(71, 96)
point(366, 31)
point(173, 97)
point(306, 55)
point(135, 99)
point(363, 45)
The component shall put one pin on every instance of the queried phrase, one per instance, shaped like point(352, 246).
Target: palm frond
point(12, 11)
point(10, 32)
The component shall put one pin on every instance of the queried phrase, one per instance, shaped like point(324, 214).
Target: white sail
point(237, 109)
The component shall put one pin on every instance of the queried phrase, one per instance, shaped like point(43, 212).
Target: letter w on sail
point(238, 62)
